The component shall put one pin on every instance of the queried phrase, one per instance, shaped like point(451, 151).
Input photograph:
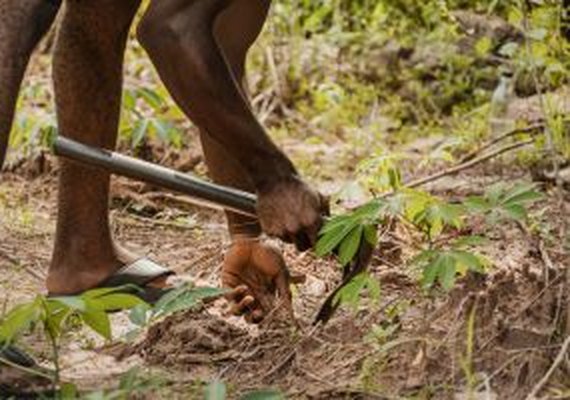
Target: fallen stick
point(466, 165)
point(532, 129)
point(559, 358)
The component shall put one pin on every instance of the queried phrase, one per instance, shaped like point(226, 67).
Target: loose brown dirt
point(408, 345)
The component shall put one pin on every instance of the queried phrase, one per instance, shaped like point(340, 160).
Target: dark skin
point(199, 49)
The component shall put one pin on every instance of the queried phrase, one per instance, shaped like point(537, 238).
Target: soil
point(408, 345)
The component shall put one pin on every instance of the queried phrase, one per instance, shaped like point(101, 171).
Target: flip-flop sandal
point(137, 277)
point(141, 273)
point(22, 390)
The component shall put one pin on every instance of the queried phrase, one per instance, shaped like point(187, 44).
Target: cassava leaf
point(516, 212)
point(99, 292)
point(150, 97)
point(267, 394)
point(371, 234)
point(118, 301)
point(350, 294)
point(477, 204)
point(139, 314)
point(467, 261)
point(522, 194)
point(19, 319)
point(331, 240)
point(447, 271)
point(72, 302)
point(139, 132)
point(216, 391)
point(184, 298)
point(350, 244)
point(98, 321)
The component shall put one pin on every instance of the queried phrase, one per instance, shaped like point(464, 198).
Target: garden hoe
point(200, 192)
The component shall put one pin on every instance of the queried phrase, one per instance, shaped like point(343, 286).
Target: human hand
point(293, 212)
point(257, 272)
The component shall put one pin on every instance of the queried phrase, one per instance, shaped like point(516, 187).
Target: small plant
point(185, 297)
point(446, 246)
point(57, 316)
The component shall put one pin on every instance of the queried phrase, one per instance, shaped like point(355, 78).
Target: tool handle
point(202, 192)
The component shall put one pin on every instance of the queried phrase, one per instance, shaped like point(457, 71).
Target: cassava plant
point(57, 316)
point(446, 248)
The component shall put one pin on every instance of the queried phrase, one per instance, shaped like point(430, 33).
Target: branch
point(466, 165)
point(561, 355)
point(532, 129)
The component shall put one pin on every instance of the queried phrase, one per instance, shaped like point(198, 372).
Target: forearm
point(203, 85)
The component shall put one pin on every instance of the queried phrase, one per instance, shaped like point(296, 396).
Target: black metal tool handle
point(202, 192)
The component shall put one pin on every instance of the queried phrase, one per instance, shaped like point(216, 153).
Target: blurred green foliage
point(365, 73)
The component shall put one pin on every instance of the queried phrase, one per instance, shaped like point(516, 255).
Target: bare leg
point(22, 24)
point(236, 30)
point(88, 77)
point(199, 49)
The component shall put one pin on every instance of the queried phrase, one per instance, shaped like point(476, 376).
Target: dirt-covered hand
point(257, 272)
point(293, 212)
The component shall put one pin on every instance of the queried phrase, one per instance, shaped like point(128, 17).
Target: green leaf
point(477, 204)
point(468, 260)
point(216, 391)
point(350, 294)
point(100, 292)
point(98, 321)
point(335, 223)
point(56, 314)
point(139, 314)
point(184, 298)
point(139, 132)
point(118, 301)
point(430, 273)
point(165, 131)
point(440, 267)
point(516, 212)
point(447, 272)
point(468, 241)
point(373, 287)
point(72, 302)
point(349, 245)
point(371, 234)
point(330, 240)
point(522, 194)
point(68, 391)
point(266, 394)
point(483, 46)
point(395, 178)
point(19, 319)
point(152, 98)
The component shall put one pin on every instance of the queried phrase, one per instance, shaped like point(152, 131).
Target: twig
point(548, 264)
point(27, 370)
point(535, 128)
point(501, 368)
point(466, 165)
point(561, 355)
point(37, 275)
